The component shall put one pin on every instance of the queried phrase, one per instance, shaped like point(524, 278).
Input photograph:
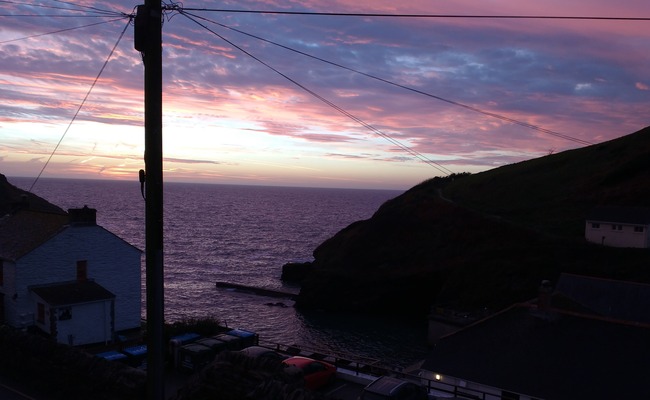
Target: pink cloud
point(581, 78)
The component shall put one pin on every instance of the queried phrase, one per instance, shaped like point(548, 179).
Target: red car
point(315, 372)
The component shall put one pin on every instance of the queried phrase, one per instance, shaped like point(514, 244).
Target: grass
point(555, 193)
point(502, 232)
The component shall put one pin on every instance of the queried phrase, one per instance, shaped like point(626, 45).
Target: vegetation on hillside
point(485, 240)
point(555, 193)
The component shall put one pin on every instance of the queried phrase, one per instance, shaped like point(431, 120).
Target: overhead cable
point(82, 8)
point(60, 30)
point(51, 16)
point(324, 100)
point(99, 10)
point(421, 92)
point(81, 105)
point(469, 16)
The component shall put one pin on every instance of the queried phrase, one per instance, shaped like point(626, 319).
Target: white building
point(68, 276)
point(619, 226)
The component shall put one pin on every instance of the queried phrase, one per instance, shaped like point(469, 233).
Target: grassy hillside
point(556, 192)
point(489, 240)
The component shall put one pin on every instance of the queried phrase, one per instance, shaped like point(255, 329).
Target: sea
point(244, 235)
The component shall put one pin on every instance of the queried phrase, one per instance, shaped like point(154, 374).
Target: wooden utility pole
point(148, 40)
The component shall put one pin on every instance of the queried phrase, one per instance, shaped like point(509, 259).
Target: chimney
point(82, 216)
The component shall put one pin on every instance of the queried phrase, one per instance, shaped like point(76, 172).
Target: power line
point(60, 31)
point(328, 102)
point(82, 8)
point(436, 97)
point(52, 16)
point(180, 9)
point(99, 10)
point(469, 16)
point(80, 105)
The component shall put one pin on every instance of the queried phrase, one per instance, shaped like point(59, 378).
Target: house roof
point(26, 229)
point(26, 220)
point(551, 356)
point(70, 293)
point(620, 300)
point(623, 215)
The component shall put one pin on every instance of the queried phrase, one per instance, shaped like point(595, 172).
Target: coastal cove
point(243, 235)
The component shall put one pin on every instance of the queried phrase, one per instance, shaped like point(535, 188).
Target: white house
point(619, 226)
point(79, 312)
point(68, 276)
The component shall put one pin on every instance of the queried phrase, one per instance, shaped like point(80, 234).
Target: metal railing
point(373, 367)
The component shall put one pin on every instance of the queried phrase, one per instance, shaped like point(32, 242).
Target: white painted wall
point(90, 323)
point(626, 236)
point(112, 263)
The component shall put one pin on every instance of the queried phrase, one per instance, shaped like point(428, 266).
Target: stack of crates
point(137, 356)
point(113, 356)
point(197, 352)
point(247, 338)
point(194, 356)
point(175, 344)
point(214, 343)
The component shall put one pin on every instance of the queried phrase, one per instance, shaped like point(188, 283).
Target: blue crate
point(112, 355)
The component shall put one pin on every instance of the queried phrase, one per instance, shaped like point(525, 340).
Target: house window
point(595, 225)
point(40, 313)
point(638, 229)
point(617, 227)
point(82, 270)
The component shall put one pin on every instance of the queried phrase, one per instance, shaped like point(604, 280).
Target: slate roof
point(570, 356)
point(620, 300)
point(567, 357)
point(623, 215)
point(25, 230)
point(26, 220)
point(70, 293)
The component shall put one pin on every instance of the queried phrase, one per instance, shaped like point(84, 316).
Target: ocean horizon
point(244, 234)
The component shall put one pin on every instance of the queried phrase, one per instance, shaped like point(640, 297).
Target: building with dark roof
point(64, 311)
point(619, 226)
point(557, 350)
point(607, 298)
point(67, 276)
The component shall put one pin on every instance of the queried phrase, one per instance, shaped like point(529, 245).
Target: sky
point(318, 101)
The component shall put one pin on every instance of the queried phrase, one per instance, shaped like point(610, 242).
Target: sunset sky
point(456, 84)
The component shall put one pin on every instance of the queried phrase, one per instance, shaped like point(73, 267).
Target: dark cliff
point(484, 240)
point(13, 198)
